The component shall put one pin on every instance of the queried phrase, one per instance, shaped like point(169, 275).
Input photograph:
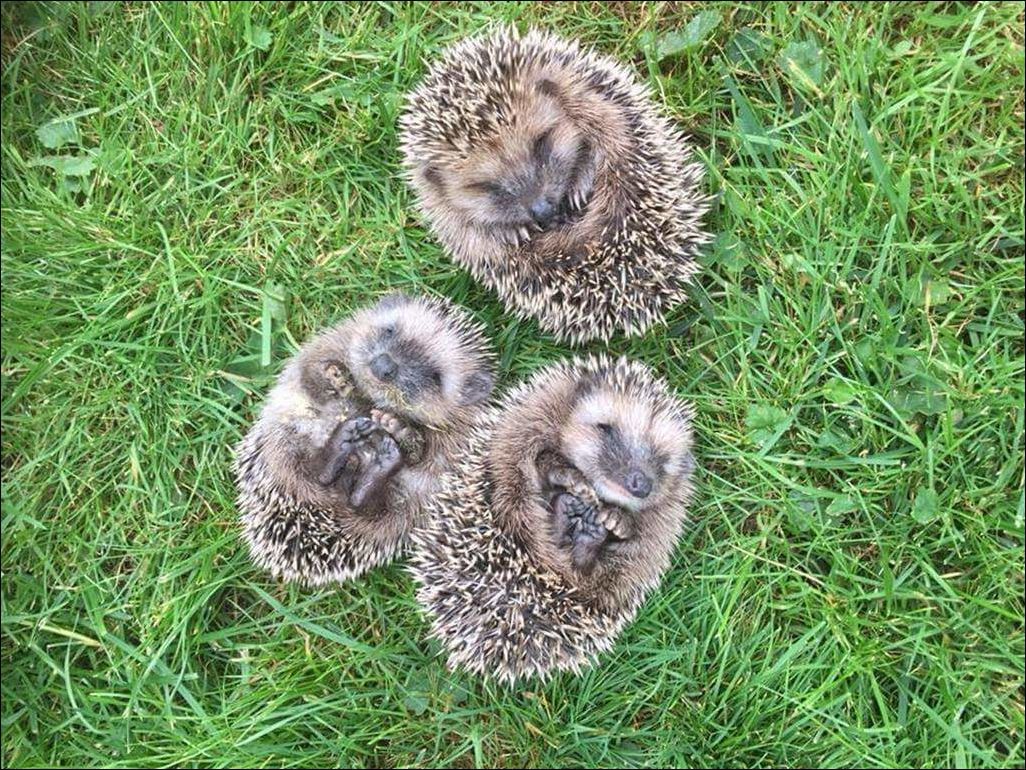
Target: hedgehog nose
point(542, 211)
point(384, 367)
point(638, 484)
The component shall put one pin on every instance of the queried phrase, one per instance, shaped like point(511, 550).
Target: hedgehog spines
point(631, 256)
point(303, 526)
point(496, 598)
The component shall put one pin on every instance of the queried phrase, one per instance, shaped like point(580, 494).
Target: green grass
point(851, 591)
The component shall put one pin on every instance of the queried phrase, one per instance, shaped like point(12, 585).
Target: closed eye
point(488, 188)
point(542, 148)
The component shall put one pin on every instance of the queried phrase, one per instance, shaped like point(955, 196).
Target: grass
point(851, 592)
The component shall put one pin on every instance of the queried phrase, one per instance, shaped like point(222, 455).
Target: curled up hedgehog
point(548, 172)
point(354, 435)
point(559, 517)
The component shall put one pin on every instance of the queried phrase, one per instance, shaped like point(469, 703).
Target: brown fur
point(281, 457)
point(622, 249)
point(561, 416)
point(548, 103)
point(502, 595)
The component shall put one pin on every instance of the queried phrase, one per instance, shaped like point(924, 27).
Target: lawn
point(189, 191)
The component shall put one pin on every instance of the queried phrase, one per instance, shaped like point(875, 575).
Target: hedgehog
point(350, 444)
point(548, 172)
point(559, 517)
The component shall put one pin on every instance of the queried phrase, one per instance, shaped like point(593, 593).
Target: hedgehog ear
point(433, 176)
point(476, 388)
point(547, 87)
point(583, 388)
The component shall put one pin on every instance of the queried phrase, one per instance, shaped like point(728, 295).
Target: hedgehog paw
point(375, 473)
point(565, 515)
point(339, 378)
point(571, 480)
point(410, 441)
point(341, 447)
point(561, 477)
point(358, 429)
point(586, 548)
point(618, 526)
point(583, 529)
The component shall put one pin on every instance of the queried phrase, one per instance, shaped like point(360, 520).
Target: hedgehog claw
point(410, 441)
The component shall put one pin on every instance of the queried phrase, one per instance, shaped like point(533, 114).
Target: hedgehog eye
point(436, 377)
point(542, 147)
point(388, 331)
point(488, 188)
point(605, 428)
point(433, 177)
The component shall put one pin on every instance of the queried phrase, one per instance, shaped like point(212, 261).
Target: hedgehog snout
point(638, 484)
point(384, 367)
point(542, 211)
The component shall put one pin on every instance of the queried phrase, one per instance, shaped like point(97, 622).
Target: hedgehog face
point(409, 359)
point(533, 172)
point(630, 454)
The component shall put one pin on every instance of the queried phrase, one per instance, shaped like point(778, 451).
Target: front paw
point(410, 441)
point(339, 378)
point(615, 522)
